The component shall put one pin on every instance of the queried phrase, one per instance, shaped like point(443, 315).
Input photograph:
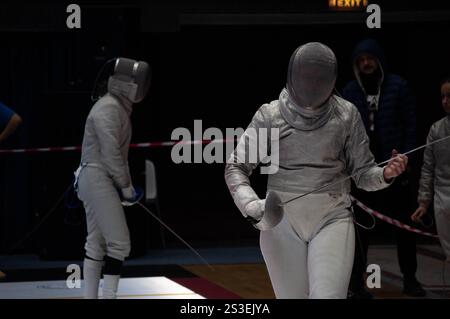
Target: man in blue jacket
point(388, 110)
point(9, 121)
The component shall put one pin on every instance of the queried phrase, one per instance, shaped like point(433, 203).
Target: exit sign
point(347, 5)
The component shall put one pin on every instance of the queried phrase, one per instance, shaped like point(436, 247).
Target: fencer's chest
point(309, 147)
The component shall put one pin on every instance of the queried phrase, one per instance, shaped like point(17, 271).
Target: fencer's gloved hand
point(130, 195)
point(249, 203)
point(255, 209)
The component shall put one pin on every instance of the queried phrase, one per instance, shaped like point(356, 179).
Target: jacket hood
point(372, 47)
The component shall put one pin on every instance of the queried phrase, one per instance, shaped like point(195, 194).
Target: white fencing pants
point(106, 224)
point(310, 253)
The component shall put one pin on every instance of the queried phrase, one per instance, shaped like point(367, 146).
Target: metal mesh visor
point(133, 72)
point(312, 75)
point(143, 78)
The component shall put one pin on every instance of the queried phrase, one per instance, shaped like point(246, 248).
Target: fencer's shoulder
point(439, 125)
point(269, 109)
point(269, 113)
point(442, 121)
point(344, 109)
point(108, 99)
point(104, 106)
point(343, 102)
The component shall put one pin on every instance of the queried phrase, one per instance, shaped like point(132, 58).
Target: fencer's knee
point(118, 249)
point(95, 251)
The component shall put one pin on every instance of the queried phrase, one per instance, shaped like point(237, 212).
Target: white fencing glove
point(248, 202)
point(255, 209)
point(130, 196)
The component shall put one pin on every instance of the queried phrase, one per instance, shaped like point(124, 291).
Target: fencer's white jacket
point(107, 137)
point(310, 158)
point(435, 178)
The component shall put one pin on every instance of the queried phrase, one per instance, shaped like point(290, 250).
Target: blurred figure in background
point(435, 179)
point(388, 111)
point(9, 122)
point(103, 179)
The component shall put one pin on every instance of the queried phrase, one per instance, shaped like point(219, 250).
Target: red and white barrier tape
point(136, 145)
point(375, 213)
point(390, 220)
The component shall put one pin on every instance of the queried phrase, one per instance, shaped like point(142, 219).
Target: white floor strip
point(129, 288)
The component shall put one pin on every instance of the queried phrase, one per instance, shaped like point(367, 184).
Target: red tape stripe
point(390, 220)
point(136, 145)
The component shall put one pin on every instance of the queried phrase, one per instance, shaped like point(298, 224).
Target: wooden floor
point(249, 281)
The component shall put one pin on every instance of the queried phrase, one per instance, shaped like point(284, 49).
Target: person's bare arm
point(12, 125)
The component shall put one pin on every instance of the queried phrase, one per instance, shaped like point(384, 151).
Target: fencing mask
point(131, 79)
point(312, 75)
point(125, 78)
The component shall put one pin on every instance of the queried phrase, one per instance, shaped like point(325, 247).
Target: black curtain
point(220, 74)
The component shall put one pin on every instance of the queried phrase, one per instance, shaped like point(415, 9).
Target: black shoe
point(413, 288)
point(360, 293)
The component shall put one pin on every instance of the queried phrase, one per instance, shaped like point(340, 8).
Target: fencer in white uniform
point(103, 178)
point(321, 140)
point(435, 179)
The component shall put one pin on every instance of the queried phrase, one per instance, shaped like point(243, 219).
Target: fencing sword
point(273, 211)
point(176, 235)
point(137, 200)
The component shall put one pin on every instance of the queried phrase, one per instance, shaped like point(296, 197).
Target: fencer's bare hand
point(419, 213)
point(396, 166)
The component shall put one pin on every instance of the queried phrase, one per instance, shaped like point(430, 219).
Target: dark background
point(215, 62)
